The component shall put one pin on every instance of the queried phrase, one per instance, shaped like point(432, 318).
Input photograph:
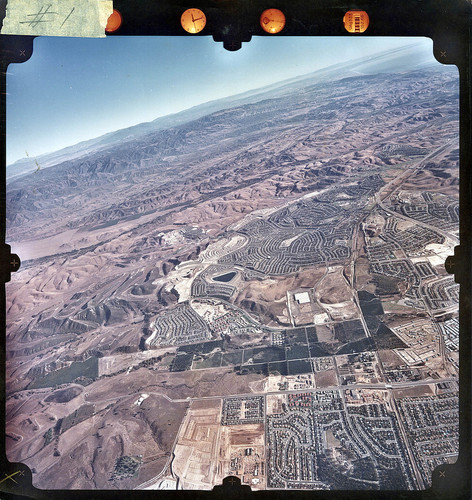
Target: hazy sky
point(75, 89)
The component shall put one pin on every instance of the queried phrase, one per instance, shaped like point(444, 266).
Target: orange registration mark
point(356, 21)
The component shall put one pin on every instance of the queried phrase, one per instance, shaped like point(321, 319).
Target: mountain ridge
point(391, 60)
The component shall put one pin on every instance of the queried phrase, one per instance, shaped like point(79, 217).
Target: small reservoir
point(225, 278)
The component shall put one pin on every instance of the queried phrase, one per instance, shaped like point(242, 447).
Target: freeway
point(386, 191)
point(380, 198)
point(436, 229)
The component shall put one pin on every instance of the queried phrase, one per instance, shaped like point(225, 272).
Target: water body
point(225, 278)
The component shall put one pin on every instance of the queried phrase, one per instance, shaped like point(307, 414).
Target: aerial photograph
point(232, 263)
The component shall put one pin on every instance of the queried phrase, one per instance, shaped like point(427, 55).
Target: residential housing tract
point(257, 292)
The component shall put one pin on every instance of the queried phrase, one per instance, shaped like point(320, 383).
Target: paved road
point(397, 183)
point(377, 386)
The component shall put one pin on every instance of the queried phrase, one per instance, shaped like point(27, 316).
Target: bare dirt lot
point(390, 359)
point(363, 277)
point(333, 288)
point(235, 457)
point(270, 295)
point(325, 333)
point(302, 311)
point(335, 295)
point(197, 445)
point(411, 392)
point(327, 378)
point(249, 434)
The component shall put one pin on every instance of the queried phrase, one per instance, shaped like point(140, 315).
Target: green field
point(212, 361)
point(87, 369)
point(232, 358)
